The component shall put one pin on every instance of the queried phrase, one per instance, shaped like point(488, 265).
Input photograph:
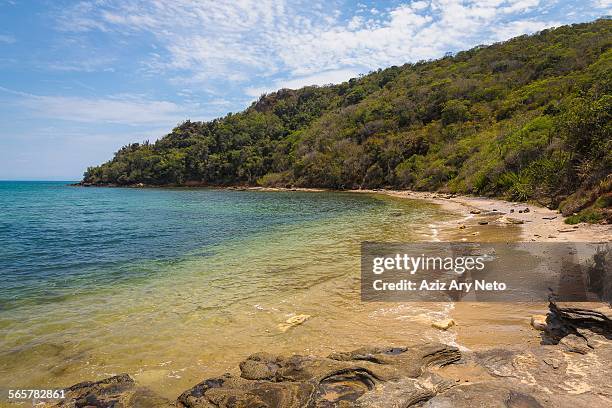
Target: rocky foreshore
point(570, 368)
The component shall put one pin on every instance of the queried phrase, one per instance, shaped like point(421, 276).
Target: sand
point(539, 224)
point(476, 321)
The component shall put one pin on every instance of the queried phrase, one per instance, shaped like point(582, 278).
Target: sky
point(80, 79)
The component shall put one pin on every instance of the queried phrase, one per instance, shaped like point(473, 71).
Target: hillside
point(526, 119)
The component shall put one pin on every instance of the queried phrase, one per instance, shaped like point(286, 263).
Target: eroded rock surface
point(571, 321)
point(118, 391)
point(369, 376)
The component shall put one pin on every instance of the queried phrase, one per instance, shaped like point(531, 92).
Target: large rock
point(229, 391)
point(489, 395)
point(578, 322)
point(118, 391)
point(368, 376)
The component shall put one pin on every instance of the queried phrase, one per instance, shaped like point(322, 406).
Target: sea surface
point(176, 285)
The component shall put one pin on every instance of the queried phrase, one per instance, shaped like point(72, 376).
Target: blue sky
point(79, 79)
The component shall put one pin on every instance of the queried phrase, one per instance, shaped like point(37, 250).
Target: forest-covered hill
point(526, 119)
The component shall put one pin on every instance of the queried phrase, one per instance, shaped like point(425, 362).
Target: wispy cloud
point(515, 28)
point(203, 40)
point(603, 4)
point(321, 78)
point(274, 41)
point(7, 39)
point(92, 64)
point(119, 109)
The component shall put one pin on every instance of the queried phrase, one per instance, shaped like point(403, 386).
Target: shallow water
point(173, 286)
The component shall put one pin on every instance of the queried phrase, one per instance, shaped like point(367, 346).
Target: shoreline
point(539, 224)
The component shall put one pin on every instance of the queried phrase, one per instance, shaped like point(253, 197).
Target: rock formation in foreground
point(571, 368)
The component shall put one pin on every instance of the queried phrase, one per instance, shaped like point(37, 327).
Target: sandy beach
point(476, 320)
point(538, 224)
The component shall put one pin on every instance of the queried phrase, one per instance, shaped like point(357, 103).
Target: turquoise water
point(174, 285)
point(58, 240)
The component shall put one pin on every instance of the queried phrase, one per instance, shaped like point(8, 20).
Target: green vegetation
point(527, 119)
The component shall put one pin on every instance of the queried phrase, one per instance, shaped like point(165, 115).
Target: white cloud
point(403, 34)
point(515, 28)
point(119, 109)
point(605, 5)
point(419, 5)
point(206, 39)
point(261, 40)
point(91, 64)
point(520, 6)
point(321, 78)
point(113, 110)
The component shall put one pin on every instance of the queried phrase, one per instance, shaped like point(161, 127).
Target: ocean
point(176, 285)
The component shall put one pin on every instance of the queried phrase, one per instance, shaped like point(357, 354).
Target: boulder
point(228, 391)
point(366, 377)
point(582, 323)
point(118, 391)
